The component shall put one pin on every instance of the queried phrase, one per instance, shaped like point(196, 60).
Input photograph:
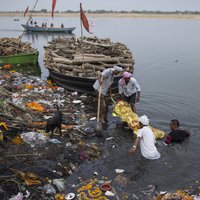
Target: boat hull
point(24, 58)
point(79, 84)
point(48, 29)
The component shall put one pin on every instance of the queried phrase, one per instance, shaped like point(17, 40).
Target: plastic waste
point(92, 118)
point(49, 189)
point(70, 196)
point(60, 184)
point(74, 93)
point(55, 141)
point(109, 194)
point(119, 171)
point(27, 194)
point(33, 138)
point(19, 196)
point(76, 101)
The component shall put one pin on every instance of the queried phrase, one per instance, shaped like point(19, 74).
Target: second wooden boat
point(48, 29)
point(22, 58)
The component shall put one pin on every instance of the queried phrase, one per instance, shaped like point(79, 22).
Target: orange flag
point(84, 19)
point(53, 7)
point(25, 12)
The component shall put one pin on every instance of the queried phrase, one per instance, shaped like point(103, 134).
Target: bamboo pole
point(99, 105)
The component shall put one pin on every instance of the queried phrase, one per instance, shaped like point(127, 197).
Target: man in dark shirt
point(176, 134)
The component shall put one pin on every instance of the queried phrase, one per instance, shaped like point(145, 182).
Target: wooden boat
point(22, 58)
point(79, 84)
point(48, 29)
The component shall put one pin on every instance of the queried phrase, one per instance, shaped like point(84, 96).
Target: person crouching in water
point(129, 89)
point(146, 139)
point(176, 134)
point(105, 79)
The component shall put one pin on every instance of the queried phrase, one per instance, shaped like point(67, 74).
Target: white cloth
point(144, 120)
point(117, 68)
point(108, 78)
point(130, 88)
point(147, 143)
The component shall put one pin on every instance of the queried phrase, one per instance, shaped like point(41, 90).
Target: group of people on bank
point(130, 91)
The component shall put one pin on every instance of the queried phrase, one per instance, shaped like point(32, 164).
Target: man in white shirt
point(129, 89)
point(105, 79)
point(146, 139)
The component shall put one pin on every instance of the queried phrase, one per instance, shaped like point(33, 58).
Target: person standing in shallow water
point(105, 79)
point(146, 140)
point(176, 134)
point(129, 89)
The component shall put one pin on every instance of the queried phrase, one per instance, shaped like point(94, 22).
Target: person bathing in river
point(146, 140)
point(176, 134)
point(129, 89)
point(105, 79)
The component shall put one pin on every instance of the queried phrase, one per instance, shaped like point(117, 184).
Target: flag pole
point(20, 37)
point(81, 35)
point(31, 12)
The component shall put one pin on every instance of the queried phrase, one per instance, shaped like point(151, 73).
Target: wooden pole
point(99, 105)
point(31, 12)
point(81, 36)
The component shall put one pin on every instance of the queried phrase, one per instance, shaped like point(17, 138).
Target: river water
point(166, 53)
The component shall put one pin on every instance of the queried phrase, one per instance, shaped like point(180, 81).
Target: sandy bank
point(110, 15)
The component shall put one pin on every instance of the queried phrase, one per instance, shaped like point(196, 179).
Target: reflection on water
point(167, 60)
point(30, 69)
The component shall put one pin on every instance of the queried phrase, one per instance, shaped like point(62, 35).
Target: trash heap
point(26, 102)
point(11, 46)
point(85, 57)
point(33, 165)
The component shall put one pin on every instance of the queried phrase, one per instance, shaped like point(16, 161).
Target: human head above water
point(174, 124)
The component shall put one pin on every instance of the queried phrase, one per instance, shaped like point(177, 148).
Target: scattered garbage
point(49, 189)
point(76, 101)
point(19, 196)
point(92, 118)
point(70, 196)
point(109, 194)
point(119, 171)
point(60, 184)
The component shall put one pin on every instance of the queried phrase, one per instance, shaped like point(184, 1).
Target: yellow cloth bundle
point(124, 111)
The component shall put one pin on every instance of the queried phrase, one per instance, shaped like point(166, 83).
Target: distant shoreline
point(109, 15)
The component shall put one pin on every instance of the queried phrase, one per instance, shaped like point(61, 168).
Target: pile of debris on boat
point(14, 51)
point(84, 57)
point(11, 46)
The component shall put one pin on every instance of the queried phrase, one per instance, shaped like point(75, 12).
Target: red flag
point(53, 7)
point(84, 19)
point(25, 12)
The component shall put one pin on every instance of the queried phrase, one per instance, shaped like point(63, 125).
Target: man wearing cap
point(146, 139)
point(129, 89)
point(105, 79)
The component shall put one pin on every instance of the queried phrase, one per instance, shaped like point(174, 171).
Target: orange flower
point(28, 86)
point(8, 66)
point(35, 106)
